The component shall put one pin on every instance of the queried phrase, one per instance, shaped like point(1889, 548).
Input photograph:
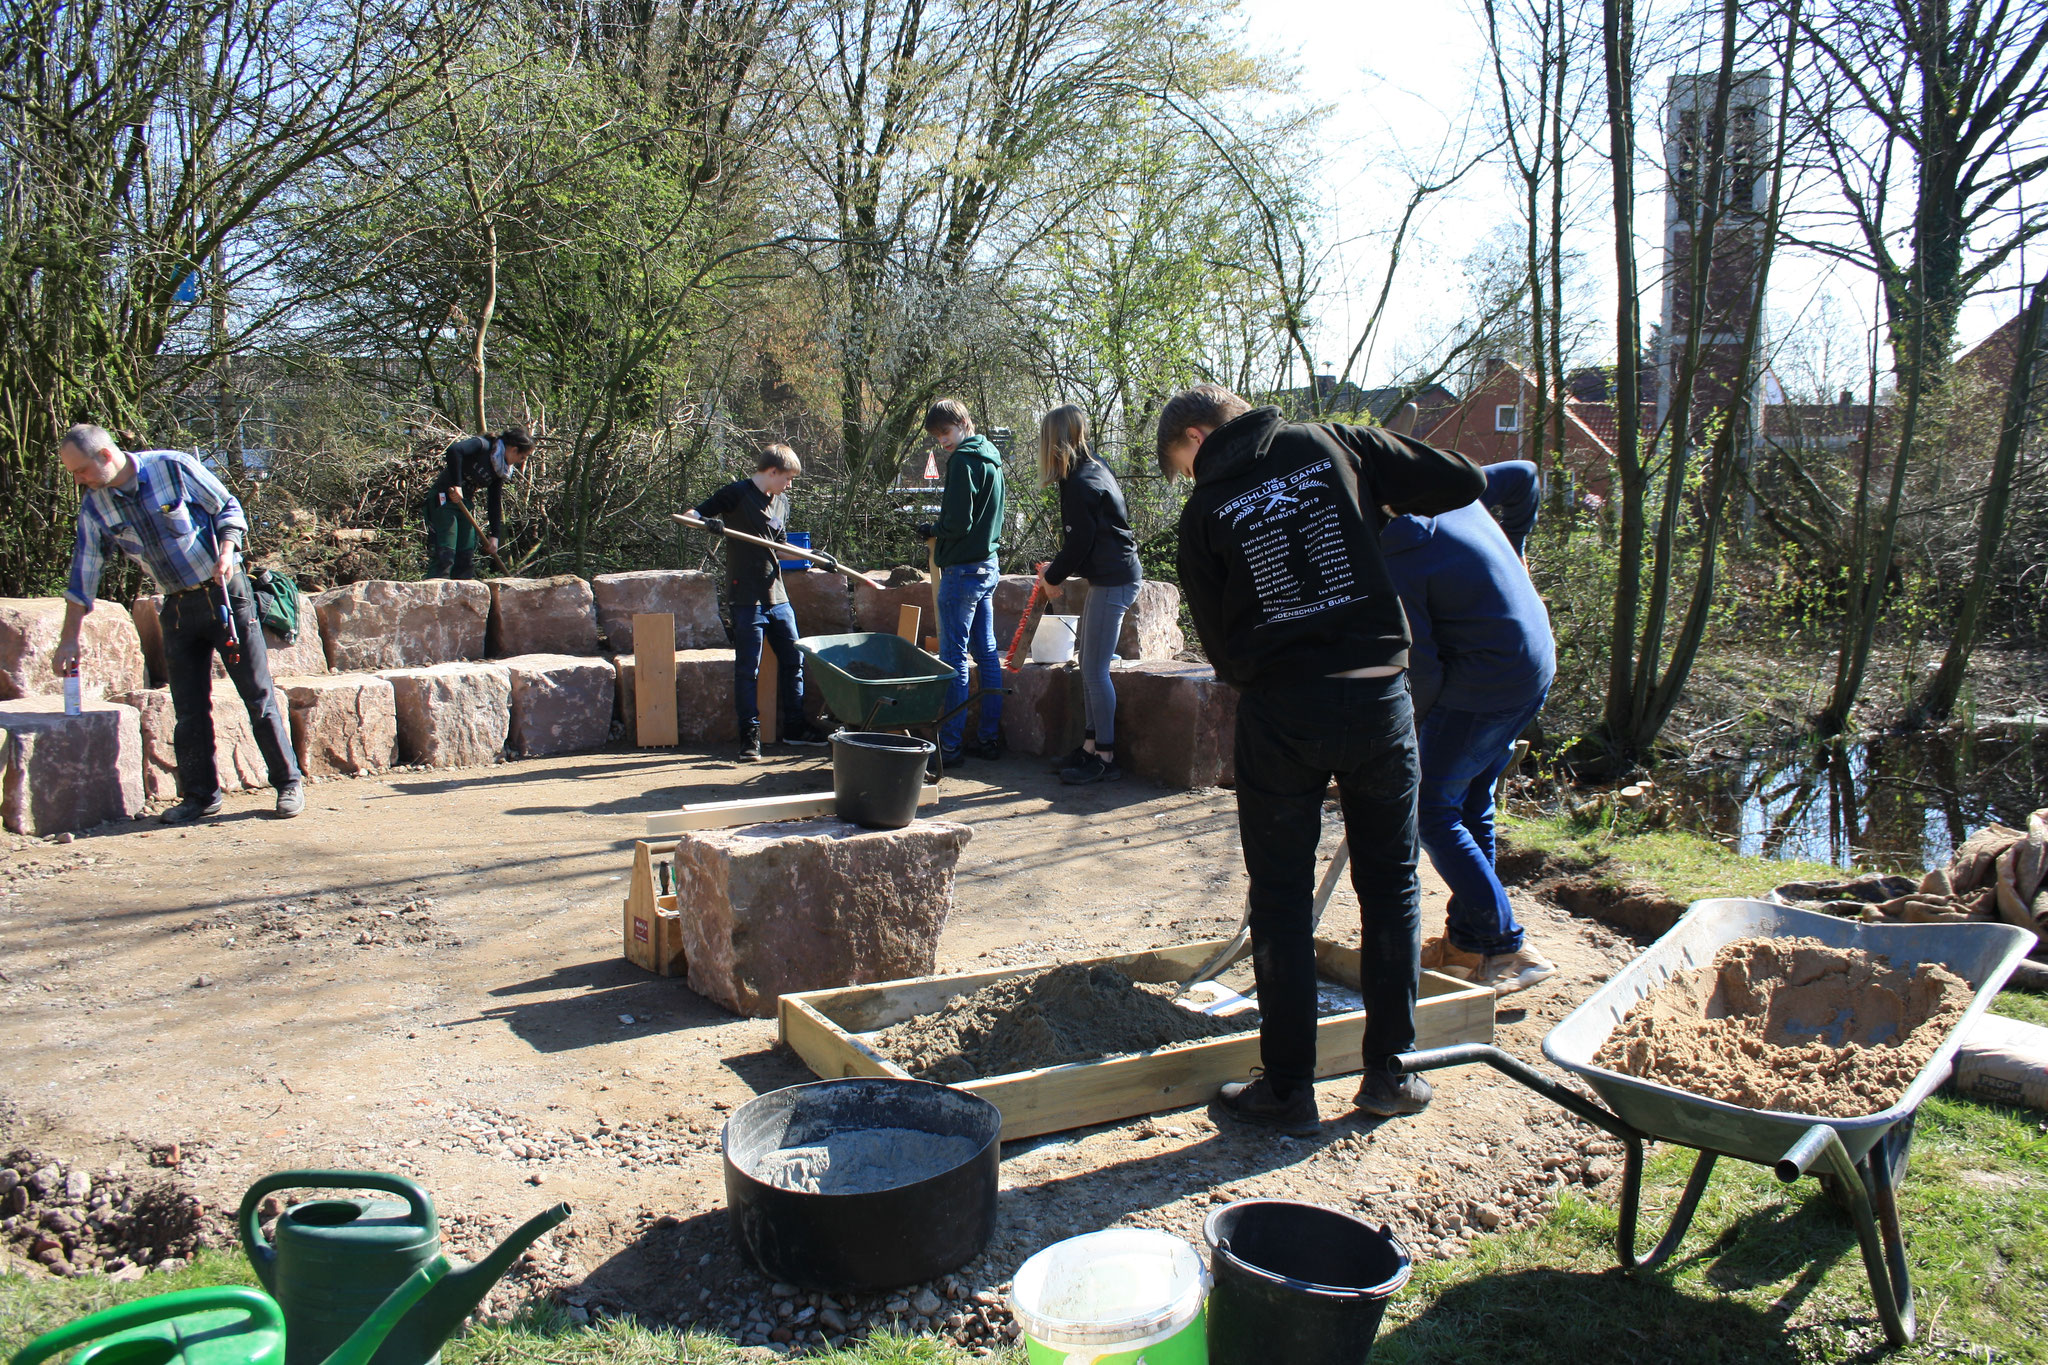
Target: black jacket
point(1279, 543)
point(1097, 543)
point(468, 464)
point(752, 574)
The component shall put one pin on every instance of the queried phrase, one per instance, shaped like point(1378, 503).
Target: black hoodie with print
point(1279, 543)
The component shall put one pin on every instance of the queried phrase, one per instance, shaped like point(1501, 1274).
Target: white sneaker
point(1516, 971)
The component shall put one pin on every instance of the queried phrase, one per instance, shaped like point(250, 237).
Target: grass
point(1687, 866)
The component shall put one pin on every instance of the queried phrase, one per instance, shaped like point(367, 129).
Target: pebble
point(1599, 1169)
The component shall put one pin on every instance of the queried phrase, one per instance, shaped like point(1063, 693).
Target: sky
point(1400, 78)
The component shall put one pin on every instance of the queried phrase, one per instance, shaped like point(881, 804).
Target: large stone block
point(68, 772)
point(689, 596)
point(1044, 713)
point(1013, 592)
point(542, 616)
point(704, 709)
point(821, 602)
point(385, 624)
point(560, 703)
point(452, 715)
point(342, 723)
point(874, 609)
point(1151, 627)
point(1175, 724)
point(305, 656)
point(768, 910)
point(109, 654)
point(236, 760)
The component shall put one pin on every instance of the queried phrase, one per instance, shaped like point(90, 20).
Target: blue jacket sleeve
point(1514, 490)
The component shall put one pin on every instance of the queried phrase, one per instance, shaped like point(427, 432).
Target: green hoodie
point(970, 521)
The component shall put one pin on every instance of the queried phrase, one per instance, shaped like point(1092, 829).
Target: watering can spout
point(438, 1314)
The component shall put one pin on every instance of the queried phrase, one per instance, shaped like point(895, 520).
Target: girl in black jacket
point(1097, 545)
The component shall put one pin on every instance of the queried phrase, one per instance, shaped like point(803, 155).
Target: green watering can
point(334, 1260)
point(223, 1325)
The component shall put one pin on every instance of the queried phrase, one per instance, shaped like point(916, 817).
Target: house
point(1334, 401)
point(1491, 424)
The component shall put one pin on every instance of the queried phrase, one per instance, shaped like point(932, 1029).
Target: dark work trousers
point(192, 632)
point(777, 621)
point(1291, 742)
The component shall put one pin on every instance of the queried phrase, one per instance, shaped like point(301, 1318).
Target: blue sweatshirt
point(1481, 635)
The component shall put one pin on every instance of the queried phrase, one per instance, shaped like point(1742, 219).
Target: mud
point(1068, 1014)
point(1791, 1025)
point(863, 1160)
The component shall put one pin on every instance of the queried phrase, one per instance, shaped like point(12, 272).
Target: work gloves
point(714, 525)
point(927, 530)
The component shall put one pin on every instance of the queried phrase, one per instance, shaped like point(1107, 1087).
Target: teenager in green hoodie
point(964, 548)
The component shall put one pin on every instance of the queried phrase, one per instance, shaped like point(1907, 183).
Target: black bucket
point(877, 777)
point(1297, 1282)
point(875, 1240)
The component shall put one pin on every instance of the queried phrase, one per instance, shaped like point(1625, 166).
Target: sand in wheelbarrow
point(1074, 1013)
point(1793, 1025)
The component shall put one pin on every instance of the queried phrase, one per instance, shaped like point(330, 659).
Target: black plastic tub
point(877, 1240)
point(1297, 1282)
point(877, 778)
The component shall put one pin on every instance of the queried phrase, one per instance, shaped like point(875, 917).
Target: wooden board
point(822, 1027)
point(765, 694)
point(754, 810)
point(654, 679)
point(907, 621)
point(653, 929)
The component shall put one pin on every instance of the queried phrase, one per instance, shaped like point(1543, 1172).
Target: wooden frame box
point(827, 1028)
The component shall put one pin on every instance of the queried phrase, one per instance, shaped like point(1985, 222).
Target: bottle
point(73, 704)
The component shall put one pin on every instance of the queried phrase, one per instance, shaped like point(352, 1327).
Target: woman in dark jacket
point(1097, 545)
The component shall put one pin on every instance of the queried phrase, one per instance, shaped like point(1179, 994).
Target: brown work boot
point(1439, 954)
point(1516, 971)
point(1254, 1101)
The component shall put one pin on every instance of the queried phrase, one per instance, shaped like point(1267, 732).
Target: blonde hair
point(1061, 435)
point(779, 457)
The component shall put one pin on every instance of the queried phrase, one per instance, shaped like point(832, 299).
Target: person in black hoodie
point(1097, 545)
point(1280, 564)
point(477, 464)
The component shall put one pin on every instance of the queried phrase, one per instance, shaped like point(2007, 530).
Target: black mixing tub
point(871, 1241)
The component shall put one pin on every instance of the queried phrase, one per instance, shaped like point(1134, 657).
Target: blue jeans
point(967, 625)
point(1291, 741)
point(1463, 756)
point(751, 621)
point(1102, 621)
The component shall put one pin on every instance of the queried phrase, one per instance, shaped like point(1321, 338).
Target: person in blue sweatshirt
point(1480, 662)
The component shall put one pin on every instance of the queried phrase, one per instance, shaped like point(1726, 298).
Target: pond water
point(1897, 805)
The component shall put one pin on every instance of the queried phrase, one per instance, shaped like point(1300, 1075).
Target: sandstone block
point(305, 656)
point(452, 715)
point(704, 710)
point(236, 759)
point(342, 723)
point(1044, 713)
point(68, 772)
point(109, 650)
point(803, 905)
point(1013, 591)
point(1151, 627)
point(1175, 724)
point(542, 616)
point(384, 624)
point(689, 596)
point(821, 602)
point(874, 609)
point(561, 703)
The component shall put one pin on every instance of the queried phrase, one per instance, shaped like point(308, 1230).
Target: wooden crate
point(653, 929)
point(826, 1029)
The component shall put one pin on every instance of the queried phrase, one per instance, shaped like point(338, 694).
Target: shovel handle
point(455, 497)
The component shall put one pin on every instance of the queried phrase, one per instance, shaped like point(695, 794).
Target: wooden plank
point(654, 679)
point(907, 617)
point(765, 694)
point(754, 810)
point(821, 1026)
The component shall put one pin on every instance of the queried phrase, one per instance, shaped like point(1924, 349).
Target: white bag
point(2005, 1061)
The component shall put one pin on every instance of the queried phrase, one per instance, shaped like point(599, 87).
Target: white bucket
point(1113, 1298)
point(1053, 641)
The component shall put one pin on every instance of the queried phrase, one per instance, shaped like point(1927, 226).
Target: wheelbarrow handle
point(1466, 1054)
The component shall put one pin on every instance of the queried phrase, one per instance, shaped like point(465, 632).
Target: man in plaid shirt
point(162, 509)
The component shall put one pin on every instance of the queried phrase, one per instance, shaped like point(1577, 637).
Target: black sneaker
point(806, 734)
point(190, 809)
point(750, 745)
point(1072, 759)
point(1385, 1095)
point(1091, 768)
point(991, 750)
point(1254, 1102)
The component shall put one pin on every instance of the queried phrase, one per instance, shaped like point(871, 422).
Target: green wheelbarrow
point(873, 681)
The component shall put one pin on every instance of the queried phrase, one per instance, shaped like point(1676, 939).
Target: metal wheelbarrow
point(1858, 1161)
point(872, 680)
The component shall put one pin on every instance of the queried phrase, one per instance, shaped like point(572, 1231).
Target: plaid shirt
point(169, 519)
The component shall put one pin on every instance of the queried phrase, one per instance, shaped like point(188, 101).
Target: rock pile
point(65, 1219)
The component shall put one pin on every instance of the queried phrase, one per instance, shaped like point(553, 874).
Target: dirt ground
point(423, 974)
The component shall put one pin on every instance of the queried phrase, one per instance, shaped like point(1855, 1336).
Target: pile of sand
point(1064, 1014)
point(1793, 1025)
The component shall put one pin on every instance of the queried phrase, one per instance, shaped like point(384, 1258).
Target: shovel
point(1241, 941)
point(824, 561)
